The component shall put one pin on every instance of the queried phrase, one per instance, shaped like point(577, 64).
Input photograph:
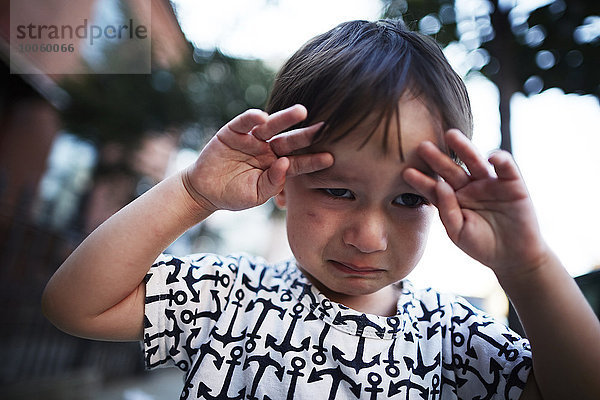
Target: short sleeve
point(184, 299)
point(487, 357)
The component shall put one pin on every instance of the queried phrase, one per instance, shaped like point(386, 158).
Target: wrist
point(529, 273)
point(200, 204)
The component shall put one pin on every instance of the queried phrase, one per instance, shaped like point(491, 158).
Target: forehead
point(412, 123)
point(355, 159)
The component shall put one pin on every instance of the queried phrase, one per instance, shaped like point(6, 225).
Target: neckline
point(348, 320)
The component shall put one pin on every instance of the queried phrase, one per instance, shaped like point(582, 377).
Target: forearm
point(112, 262)
point(563, 330)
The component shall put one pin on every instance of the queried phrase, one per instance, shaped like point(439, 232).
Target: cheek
point(309, 227)
point(413, 232)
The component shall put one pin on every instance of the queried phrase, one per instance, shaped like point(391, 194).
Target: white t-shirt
point(241, 328)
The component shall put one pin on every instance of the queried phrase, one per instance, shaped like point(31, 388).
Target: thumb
point(272, 180)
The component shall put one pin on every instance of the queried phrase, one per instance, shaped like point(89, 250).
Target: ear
point(280, 200)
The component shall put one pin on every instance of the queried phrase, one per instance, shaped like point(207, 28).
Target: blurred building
point(37, 356)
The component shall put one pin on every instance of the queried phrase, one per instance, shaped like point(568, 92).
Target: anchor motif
point(150, 352)
point(447, 380)
point(233, 266)
point(319, 356)
point(267, 306)
point(458, 339)
point(263, 362)
point(217, 278)
point(298, 364)
point(172, 276)
point(374, 380)
point(427, 314)
point(228, 336)
point(173, 333)
point(495, 369)
point(214, 315)
point(246, 281)
point(361, 322)
point(357, 362)
point(421, 370)
point(286, 344)
point(435, 383)
point(503, 350)
point(189, 349)
point(456, 320)
point(392, 370)
point(187, 316)
point(394, 324)
point(433, 330)
point(337, 376)
point(306, 291)
point(203, 390)
point(513, 379)
point(179, 298)
point(205, 349)
point(286, 295)
point(324, 308)
point(396, 388)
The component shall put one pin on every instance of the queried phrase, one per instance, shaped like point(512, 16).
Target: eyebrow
point(329, 174)
point(328, 177)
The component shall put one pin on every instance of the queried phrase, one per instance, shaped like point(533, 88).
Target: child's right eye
point(339, 193)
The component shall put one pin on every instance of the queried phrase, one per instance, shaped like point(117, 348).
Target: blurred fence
point(38, 360)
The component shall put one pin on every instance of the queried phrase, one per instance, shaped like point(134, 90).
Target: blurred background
point(79, 141)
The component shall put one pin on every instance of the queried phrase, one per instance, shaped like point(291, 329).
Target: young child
point(361, 166)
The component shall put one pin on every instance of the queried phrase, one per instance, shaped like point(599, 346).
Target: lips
point(354, 269)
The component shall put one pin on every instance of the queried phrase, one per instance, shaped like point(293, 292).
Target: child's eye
point(410, 200)
point(339, 193)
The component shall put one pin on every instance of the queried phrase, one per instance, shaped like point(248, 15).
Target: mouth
point(353, 269)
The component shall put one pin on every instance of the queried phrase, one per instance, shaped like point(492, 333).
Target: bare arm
point(563, 330)
point(99, 291)
point(489, 215)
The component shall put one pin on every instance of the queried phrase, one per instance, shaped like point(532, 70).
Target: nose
point(367, 232)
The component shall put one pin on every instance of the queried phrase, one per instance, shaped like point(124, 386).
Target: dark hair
point(359, 67)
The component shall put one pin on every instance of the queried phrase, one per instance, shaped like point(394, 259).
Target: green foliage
point(120, 108)
point(546, 47)
point(205, 94)
point(197, 97)
point(576, 66)
point(426, 16)
point(221, 87)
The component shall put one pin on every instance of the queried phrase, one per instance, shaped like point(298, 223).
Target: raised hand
point(487, 212)
point(247, 161)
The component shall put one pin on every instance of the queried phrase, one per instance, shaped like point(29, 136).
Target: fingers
point(272, 181)
point(307, 163)
point(442, 195)
point(289, 142)
point(280, 121)
point(244, 122)
point(451, 213)
point(451, 172)
point(504, 165)
point(264, 126)
point(252, 132)
point(443, 165)
point(422, 183)
point(467, 152)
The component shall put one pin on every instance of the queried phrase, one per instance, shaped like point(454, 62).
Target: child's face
point(356, 228)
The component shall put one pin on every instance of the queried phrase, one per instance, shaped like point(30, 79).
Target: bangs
point(356, 74)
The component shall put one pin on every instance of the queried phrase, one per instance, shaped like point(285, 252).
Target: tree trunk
point(503, 48)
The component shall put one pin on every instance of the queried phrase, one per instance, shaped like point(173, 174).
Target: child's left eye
point(410, 200)
point(339, 193)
